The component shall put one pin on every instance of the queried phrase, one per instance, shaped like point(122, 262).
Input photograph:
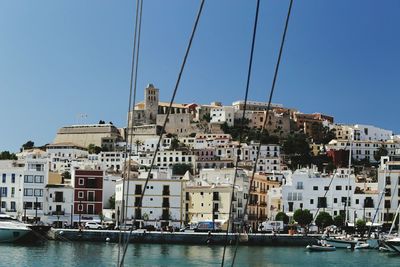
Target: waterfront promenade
point(183, 237)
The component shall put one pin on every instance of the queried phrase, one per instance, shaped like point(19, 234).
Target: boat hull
point(392, 245)
point(320, 248)
point(339, 243)
point(12, 235)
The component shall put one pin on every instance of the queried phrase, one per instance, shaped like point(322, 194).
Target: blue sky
point(62, 58)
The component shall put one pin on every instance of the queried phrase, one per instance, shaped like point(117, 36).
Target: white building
point(60, 155)
point(220, 115)
point(167, 158)
point(308, 189)
point(389, 183)
point(361, 132)
point(162, 204)
point(11, 187)
point(203, 141)
point(364, 149)
point(59, 204)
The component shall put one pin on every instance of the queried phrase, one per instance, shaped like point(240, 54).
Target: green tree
point(111, 201)
point(28, 145)
point(181, 168)
point(361, 226)
point(281, 216)
point(66, 175)
point(297, 149)
point(175, 144)
point(7, 155)
point(338, 221)
point(303, 217)
point(206, 117)
point(101, 217)
point(382, 151)
point(92, 149)
point(323, 219)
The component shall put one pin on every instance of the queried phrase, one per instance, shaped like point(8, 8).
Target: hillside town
point(202, 170)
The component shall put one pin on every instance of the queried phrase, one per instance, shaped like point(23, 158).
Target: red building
point(88, 193)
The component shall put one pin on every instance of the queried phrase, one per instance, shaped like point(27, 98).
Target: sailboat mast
point(348, 185)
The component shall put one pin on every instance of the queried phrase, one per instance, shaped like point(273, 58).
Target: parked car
point(93, 225)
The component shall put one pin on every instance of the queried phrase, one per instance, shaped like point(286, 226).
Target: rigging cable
point(267, 112)
point(164, 125)
point(241, 126)
point(130, 119)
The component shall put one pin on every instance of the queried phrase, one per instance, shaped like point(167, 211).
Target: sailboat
point(392, 242)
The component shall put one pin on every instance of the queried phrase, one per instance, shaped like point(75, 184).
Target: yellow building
point(211, 202)
point(258, 205)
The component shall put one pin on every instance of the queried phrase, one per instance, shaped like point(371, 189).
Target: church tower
point(151, 98)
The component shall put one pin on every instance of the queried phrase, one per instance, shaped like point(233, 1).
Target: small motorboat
point(323, 247)
point(359, 245)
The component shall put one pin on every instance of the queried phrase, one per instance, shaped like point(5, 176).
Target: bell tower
point(151, 96)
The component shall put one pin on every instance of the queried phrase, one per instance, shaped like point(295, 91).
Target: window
point(13, 178)
point(3, 191)
point(91, 182)
point(315, 188)
point(28, 179)
point(335, 200)
point(290, 206)
point(80, 194)
point(388, 180)
point(4, 178)
point(80, 207)
point(357, 201)
point(387, 204)
point(38, 192)
point(13, 206)
point(338, 187)
point(12, 191)
point(28, 205)
point(388, 193)
point(39, 179)
point(326, 188)
point(28, 192)
point(90, 196)
point(311, 201)
point(322, 202)
point(299, 185)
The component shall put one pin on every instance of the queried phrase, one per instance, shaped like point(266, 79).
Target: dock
point(192, 238)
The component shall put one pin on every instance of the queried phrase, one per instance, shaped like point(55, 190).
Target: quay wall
point(183, 238)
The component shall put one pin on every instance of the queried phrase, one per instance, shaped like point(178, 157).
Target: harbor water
point(59, 254)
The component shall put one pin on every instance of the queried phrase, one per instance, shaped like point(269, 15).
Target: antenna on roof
point(80, 118)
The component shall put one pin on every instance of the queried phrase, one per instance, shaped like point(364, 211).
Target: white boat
point(360, 245)
point(341, 242)
point(392, 244)
point(11, 229)
point(321, 248)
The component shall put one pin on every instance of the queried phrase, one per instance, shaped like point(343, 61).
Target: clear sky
point(62, 58)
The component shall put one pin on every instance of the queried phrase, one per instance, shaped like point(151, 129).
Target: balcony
point(57, 213)
point(59, 199)
point(252, 217)
point(263, 204)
